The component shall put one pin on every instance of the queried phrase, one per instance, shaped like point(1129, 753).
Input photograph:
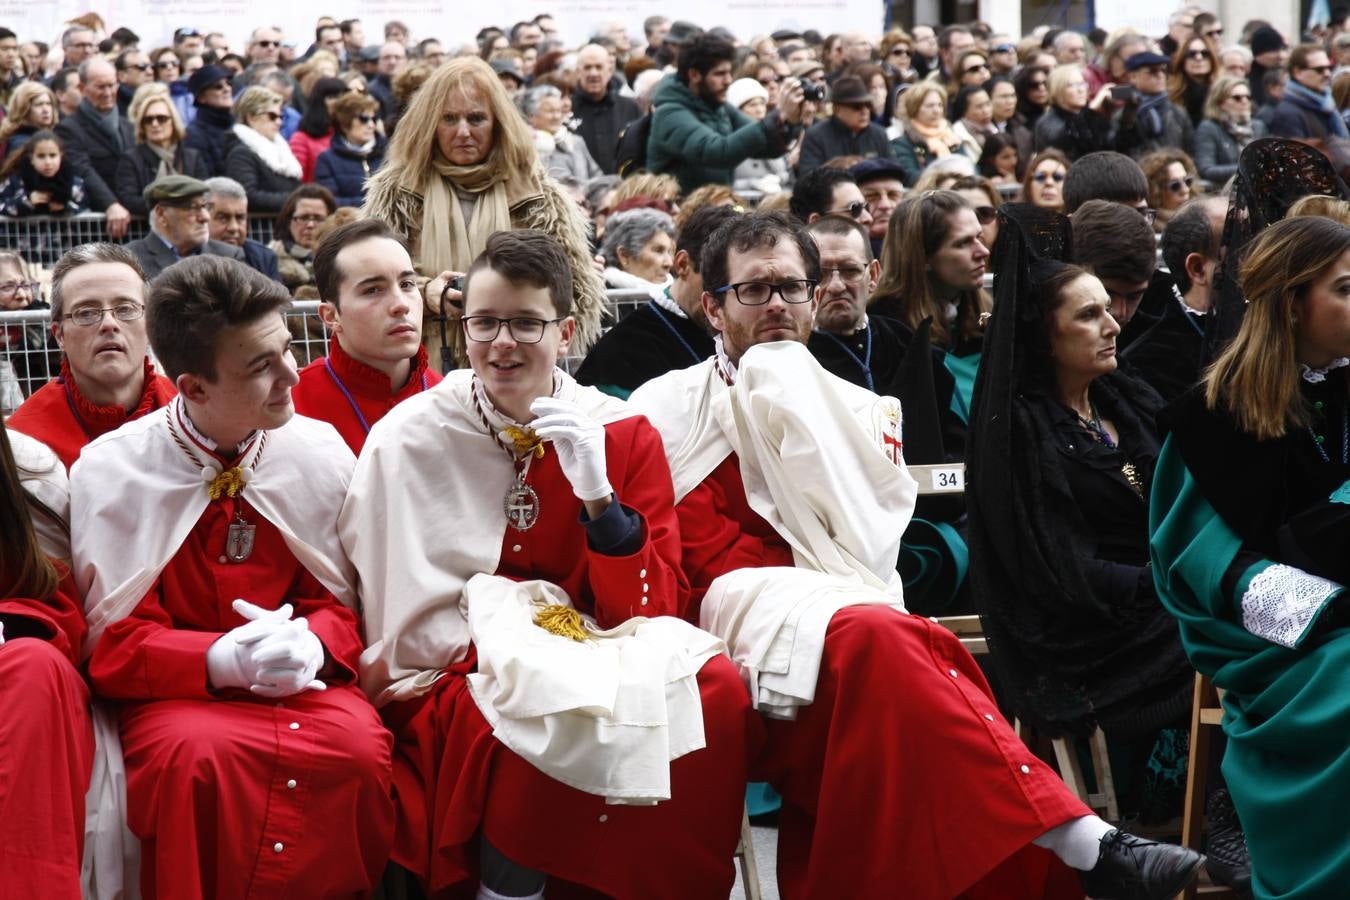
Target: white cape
point(820, 460)
point(135, 497)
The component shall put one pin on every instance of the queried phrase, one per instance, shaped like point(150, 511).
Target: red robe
point(453, 779)
point(46, 745)
point(367, 396)
point(59, 415)
point(901, 778)
point(233, 795)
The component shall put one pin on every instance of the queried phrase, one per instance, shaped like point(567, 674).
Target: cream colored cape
point(135, 496)
point(424, 524)
point(820, 461)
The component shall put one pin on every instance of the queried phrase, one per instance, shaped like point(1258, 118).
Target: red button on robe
point(46, 745)
point(320, 393)
point(900, 779)
point(62, 418)
point(454, 779)
point(232, 795)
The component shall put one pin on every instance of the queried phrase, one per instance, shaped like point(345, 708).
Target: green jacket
point(700, 143)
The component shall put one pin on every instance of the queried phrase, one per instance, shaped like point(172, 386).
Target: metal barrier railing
point(42, 240)
point(29, 357)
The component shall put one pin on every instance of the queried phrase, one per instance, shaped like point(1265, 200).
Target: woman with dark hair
point(1033, 97)
point(1193, 71)
point(972, 116)
point(1062, 453)
point(356, 152)
point(45, 728)
point(297, 222)
point(998, 159)
point(315, 133)
point(1254, 568)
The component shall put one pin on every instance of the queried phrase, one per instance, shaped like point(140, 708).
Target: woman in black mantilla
point(1062, 454)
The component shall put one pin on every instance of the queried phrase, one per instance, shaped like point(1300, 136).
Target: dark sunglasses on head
point(985, 215)
point(1043, 177)
point(1175, 184)
point(156, 120)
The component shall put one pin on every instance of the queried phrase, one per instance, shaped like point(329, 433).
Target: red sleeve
point(714, 539)
point(144, 657)
point(649, 582)
point(334, 624)
point(58, 619)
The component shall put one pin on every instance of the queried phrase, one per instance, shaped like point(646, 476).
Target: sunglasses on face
point(1176, 184)
point(1241, 98)
point(1004, 48)
point(899, 51)
point(156, 120)
point(985, 215)
point(140, 67)
point(1153, 70)
point(1197, 54)
point(167, 64)
point(273, 116)
point(365, 119)
point(268, 43)
point(978, 67)
point(1045, 177)
point(853, 210)
point(1035, 85)
point(1325, 70)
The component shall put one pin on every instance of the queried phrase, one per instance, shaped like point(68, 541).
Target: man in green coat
point(696, 135)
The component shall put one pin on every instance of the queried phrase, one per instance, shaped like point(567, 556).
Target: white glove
point(250, 656)
point(580, 444)
point(2, 633)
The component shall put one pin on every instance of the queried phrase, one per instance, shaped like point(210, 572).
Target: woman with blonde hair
point(1072, 123)
point(1253, 568)
point(926, 134)
point(31, 109)
point(461, 166)
point(159, 149)
point(260, 159)
point(1227, 129)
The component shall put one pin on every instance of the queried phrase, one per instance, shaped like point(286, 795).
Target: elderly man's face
point(186, 225)
point(100, 86)
point(392, 58)
point(265, 46)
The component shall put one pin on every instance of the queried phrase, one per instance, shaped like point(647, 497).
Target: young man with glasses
point(373, 313)
point(822, 192)
point(792, 493)
point(227, 630)
point(1306, 110)
point(106, 380)
point(524, 503)
point(180, 225)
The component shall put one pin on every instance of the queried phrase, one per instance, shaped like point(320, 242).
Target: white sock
point(1076, 843)
point(487, 893)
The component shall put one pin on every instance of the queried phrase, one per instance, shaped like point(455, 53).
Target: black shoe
point(1226, 857)
point(1131, 868)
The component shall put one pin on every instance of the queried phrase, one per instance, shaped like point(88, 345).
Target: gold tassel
point(230, 482)
point(525, 441)
point(564, 621)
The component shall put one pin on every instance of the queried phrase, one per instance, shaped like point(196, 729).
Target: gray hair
point(90, 63)
point(83, 255)
point(630, 231)
point(68, 36)
point(227, 188)
point(598, 187)
point(1063, 39)
point(529, 102)
point(1242, 51)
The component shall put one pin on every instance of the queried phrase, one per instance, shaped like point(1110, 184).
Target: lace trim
point(1317, 376)
point(726, 368)
point(1282, 601)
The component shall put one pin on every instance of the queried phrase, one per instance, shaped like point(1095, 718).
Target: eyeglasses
point(1034, 85)
point(308, 220)
point(1004, 48)
point(985, 215)
point(758, 293)
point(1325, 70)
point(10, 288)
point(86, 316)
point(1241, 98)
point(1197, 54)
point(84, 45)
point(523, 329)
point(365, 119)
point(1153, 70)
point(168, 64)
point(899, 51)
point(1176, 184)
point(274, 116)
point(853, 210)
point(267, 43)
point(768, 81)
point(1043, 177)
point(140, 67)
point(1150, 215)
point(847, 274)
point(195, 209)
point(156, 120)
point(976, 68)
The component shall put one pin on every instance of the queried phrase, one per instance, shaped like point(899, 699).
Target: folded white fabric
point(605, 715)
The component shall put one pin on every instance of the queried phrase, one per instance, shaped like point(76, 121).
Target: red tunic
point(453, 779)
point(901, 778)
point(367, 395)
point(59, 415)
point(46, 745)
point(232, 795)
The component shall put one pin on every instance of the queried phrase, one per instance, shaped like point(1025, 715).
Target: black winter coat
point(267, 190)
point(139, 167)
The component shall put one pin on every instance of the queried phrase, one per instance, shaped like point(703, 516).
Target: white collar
point(1185, 307)
point(1317, 376)
point(725, 366)
point(667, 302)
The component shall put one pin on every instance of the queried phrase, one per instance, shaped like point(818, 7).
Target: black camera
point(813, 91)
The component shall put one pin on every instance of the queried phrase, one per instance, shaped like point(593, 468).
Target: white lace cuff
point(1281, 602)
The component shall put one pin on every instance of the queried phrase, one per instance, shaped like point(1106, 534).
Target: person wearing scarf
point(927, 134)
point(1149, 120)
point(159, 150)
point(356, 151)
point(1071, 124)
point(449, 188)
point(974, 115)
point(260, 159)
point(1227, 129)
point(1307, 110)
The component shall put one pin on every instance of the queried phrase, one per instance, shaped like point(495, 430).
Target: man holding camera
point(849, 131)
point(696, 135)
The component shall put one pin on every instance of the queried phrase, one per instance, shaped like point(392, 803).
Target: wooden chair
point(1206, 715)
point(745, 855)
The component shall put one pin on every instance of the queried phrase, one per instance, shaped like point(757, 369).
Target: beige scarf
point(940, 139)
point(448, 243)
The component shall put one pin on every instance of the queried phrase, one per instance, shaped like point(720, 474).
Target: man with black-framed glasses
point(180, 225)
point(106, 380)
point(1306, 110)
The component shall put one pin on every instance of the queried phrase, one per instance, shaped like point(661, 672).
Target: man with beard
point(373, 310)
point(696, 135)
point(792, 493)
point(670, 332)
point(106, 380)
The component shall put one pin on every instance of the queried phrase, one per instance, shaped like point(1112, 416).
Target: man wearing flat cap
point(1149, 120)
point(180, 225)
point(849, 131)
point(210, 133)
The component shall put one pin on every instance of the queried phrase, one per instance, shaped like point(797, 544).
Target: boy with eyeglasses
point(373, 313)
point(106, 380)
point(532, 513)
